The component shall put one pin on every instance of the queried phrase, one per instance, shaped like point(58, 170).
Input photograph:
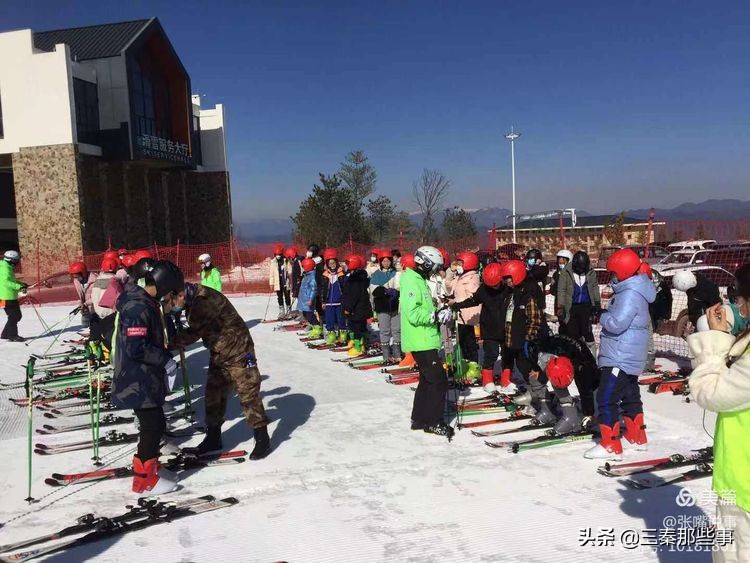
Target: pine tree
point(358, 175)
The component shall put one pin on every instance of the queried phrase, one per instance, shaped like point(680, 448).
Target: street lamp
point(512, 136)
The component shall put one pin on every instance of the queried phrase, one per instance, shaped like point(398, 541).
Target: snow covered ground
point(348, 480)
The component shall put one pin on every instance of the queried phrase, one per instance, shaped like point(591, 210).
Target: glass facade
point(151, 102)
point(87, 111)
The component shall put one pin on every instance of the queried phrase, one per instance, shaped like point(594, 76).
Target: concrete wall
point(213, 139)
point(47, 200)
point(36, 89)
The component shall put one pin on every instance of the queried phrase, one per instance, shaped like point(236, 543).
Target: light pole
point(512, 136)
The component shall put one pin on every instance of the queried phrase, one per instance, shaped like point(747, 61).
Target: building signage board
point(150, 146)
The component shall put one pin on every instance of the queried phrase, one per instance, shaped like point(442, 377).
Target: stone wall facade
point(47, 201)
point(69, 203)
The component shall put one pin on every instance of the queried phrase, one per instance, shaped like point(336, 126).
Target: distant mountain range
point(269, 230)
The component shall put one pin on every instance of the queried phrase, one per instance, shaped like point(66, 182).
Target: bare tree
point(429, 191)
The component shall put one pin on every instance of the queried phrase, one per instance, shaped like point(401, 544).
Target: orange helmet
point(111, 254)
point(308, 264)
point(143, 254)
point(330, 254)
point(407, 261)
point(354, 262)
point(129, 260)
point(560, 372)
point(624, 263)
point(290, 253)
point(110, 264)
point(492, 275)
point(446, 257)
point(645, 268)
point(278, 248)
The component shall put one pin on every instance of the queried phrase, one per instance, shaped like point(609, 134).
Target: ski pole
point(36, 310)
point(30, 391)
point(268, 304)
point(51, 327)
point(97, 460)
point(186, 386)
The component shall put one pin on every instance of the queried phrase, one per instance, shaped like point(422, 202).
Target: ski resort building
point(102, 142)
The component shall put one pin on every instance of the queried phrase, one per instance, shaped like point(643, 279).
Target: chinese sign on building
point(163, 149)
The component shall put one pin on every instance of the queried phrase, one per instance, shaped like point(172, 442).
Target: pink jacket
point(463, 287)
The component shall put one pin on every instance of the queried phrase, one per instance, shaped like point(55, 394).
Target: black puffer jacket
point(355, 299)
point(494, 302)
point(701, 297)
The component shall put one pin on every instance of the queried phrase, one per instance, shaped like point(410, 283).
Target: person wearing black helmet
point(578, 299)
point(313, 252)
point(212, 317)
point(141, 365)
point(538, 271)
point(140, 269)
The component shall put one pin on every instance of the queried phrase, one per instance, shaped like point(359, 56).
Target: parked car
point(655, 253)
point(691, 245)
point(682, 258)
point(729, 258)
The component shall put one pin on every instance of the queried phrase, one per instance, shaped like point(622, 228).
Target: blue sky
point(620, 104)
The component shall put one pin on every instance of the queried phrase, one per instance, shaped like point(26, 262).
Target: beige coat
point(274, 279)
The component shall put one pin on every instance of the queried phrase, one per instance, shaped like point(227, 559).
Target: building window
point(87, 111)
point(151, 102)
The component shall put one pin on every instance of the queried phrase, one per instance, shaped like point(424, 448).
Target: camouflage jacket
point(139, 353)
point(213, 318)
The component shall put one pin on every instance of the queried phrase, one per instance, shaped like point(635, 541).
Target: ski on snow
point(518, 415)
point(178, 462)
point(108, 420)
point(546, 439)
point(703, 455)
point(110, 527)
point(701, 470)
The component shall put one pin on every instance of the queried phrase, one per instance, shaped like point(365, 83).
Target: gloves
point(445, 316)
point(596, 313)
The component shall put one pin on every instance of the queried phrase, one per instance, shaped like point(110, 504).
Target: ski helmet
point(428, 259)
point(12, 257)
point(624, 263)
point(128, 261)
point(684, 280)
point(385, 253)
point(353, 262)
point(492, 275)
point(111, 254)
point(516, 271)
point(581, 263)
point(122, 251)
point(77, 268)
point(143, 254)
point(290, 253)
point(742, 281)
point(560, 371)
point(470, 260)
point(167, 278)
point(564, 253)
point(645, 268)
point(110, 264)
point(407, 261)
point(204, 259)
point(330, 254)
point(446, 256)
point(308, 265)
point(278, 249)
point(534, 254)
point(141, 268)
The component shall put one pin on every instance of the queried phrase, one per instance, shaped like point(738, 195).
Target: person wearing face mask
point(420, 336)
point(465, 284)
point(330, 295)
point(210, 274)
point(280, 280)
point(295, 268)
point(563, 260)
point(83, 281)
point(623, 351)
point(10, 288)
point(232, 364)
point(373, 263)
point(141, 365)
point(384, 289)
point(578, 299)
point(737, 311)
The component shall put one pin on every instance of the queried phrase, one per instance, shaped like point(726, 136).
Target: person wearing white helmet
point(701, 292)
point(210, 274)
point(10, 288)
point(420, 336)
point(563, 258)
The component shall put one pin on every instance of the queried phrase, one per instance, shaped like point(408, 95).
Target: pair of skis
point(700, 459)
point(178, 462)
point(111, 438)
point(549, 438)
point(148, 512)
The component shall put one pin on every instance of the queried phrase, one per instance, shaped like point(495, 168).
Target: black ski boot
point(262, 444)
point(440, 429)
point(211, 444)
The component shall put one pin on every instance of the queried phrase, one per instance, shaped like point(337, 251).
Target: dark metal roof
point(92, 42)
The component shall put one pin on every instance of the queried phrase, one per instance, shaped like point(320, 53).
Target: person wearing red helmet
point(522, 314)
point(295, 266)
point(464, 285)
point(384, 288)
point(623, 350)
point(561, 359)
point(355, 302)
point(83, 281)
point(308, 295)
point(280, 280)
point(491, 296)
point(407, 261)
point(372, 263)
point(330, 296)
